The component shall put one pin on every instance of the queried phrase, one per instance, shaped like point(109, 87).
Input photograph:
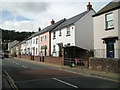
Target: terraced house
point(107, 31)
point(74, 32)
point(44, 38)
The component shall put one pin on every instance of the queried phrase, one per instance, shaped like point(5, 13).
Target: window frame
point(60, 32)
point(54, 35)
point(106, 21)
point(41, 39)
point(68, 30)
point(45, 37)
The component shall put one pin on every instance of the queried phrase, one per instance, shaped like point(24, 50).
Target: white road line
point(65, 82)
point(24, 66)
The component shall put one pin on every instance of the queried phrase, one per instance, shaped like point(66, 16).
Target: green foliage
point(11, 35)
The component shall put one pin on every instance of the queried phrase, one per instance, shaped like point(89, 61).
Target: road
point(26, 74)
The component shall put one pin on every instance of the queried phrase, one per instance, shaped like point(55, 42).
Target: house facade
point(107, 31)
point(23, 47)
point(76, 31)
point(35, 46)
point(29, 46)
point(44, 38)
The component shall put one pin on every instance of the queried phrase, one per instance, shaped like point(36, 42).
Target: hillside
point(11, 35)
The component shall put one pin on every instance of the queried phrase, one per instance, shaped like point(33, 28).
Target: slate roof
point(109, 7)
point(51, 27)
point(46, 29)
point(71, 20)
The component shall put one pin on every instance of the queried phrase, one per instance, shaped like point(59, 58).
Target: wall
point(44, 42)
point(23, 47)
point(105, 64)
point(35, 45)
point(53, 60)
point(84, 31)
point(63, 39)
point(100, 32)
point(47, 59)
point(119, 32)
point(29, 45)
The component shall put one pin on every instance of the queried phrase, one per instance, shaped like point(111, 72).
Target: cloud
point(28, 16)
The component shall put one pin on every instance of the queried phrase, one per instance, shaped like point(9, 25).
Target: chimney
point(52, 22)
point(39, 29)
point(89, 7)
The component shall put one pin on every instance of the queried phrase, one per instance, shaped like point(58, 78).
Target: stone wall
point(105, 64)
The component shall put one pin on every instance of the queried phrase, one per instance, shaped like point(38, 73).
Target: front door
point(110, 49)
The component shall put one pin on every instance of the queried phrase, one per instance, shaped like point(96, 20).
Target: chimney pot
point(52, 22)
point(39, 29)
point(89, 6)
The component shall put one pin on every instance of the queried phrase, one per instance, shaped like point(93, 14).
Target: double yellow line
point(13, 86)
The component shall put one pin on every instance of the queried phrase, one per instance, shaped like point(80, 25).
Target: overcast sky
point(29, 15)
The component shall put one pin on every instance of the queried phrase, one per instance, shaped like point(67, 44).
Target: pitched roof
point(48, 28)
point(35, 34)
point(71, 20)
point(109, 7)
point(51, 27)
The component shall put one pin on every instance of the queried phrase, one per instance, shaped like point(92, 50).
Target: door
point(110, 49)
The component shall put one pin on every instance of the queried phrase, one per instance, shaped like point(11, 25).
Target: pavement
point(83, 70)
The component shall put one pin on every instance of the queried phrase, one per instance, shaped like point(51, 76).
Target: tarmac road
point(27, 74)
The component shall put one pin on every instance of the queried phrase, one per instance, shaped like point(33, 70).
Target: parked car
point(6, 54)
point(1, 55)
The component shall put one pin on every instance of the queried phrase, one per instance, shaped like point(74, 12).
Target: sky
point(29, 15)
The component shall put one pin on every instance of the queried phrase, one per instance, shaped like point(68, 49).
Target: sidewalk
point(82, 70)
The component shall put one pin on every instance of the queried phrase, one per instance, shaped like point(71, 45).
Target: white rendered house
point(29, 46)
point(76, 31)
point(35, 48)
point(107, 31)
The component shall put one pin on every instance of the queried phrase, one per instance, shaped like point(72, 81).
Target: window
point(36, 51)
point(41, 39)
point(68, 44)
point(45, 37)
point(109, 21)
point(60, 33)
point(36, 40)
point(54, 35)
point(53, 48)
point(68, 31)
point(33, 41)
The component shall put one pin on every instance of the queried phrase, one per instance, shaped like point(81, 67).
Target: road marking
point(24, 67)
point(65, 82)
point(11, 81)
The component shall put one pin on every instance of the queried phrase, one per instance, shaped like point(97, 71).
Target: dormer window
point(109, 21)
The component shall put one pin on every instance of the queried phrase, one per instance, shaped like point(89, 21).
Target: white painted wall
point(100, 32)
point(29, 45)
point(23, 47)
point(34, 45)
point(84, 31)
point(63, 38)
